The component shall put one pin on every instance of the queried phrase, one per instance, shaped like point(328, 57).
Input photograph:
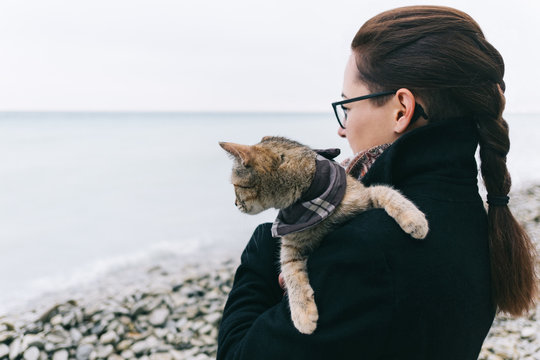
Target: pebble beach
point(172, 310)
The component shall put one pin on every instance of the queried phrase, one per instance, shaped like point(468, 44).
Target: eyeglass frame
point(418, 110)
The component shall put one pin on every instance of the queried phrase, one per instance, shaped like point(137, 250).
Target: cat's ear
point(244, 153)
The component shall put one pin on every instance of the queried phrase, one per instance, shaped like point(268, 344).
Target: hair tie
point(495, 200)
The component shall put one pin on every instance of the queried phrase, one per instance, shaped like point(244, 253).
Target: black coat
point(380, 293)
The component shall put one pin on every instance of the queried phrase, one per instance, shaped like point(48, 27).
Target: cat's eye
point(242, 186)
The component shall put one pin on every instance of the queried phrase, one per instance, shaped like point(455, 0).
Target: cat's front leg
point(304, 312)
point(406, 214)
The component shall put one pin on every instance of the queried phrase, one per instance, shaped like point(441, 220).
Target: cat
point(277, 173)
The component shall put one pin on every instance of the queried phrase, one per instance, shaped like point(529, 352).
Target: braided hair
point(441, 55)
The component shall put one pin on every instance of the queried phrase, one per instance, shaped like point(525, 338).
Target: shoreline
point(171, 311)
point(168, 315)
point(112, 272)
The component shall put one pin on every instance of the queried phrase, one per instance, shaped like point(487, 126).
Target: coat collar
point(444, 150)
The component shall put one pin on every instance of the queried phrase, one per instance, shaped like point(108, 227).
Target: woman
point(435, 89)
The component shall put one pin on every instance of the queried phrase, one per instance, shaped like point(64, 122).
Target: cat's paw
point(416, 225)
point(305, 315)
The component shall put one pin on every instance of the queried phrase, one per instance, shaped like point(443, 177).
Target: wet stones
point(518, 338)
point(164, 318)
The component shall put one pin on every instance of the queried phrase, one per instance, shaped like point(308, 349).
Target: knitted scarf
point(359, 164)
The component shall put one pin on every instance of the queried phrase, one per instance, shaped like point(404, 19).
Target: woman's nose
point(341, 132)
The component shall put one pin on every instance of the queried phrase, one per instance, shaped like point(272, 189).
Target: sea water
point(84, 193)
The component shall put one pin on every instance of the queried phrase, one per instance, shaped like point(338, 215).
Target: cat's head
point(271, 174)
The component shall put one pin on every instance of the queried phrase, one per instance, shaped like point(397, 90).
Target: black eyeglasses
point(341, 112)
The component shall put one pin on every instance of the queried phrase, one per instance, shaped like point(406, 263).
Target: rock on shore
point(171, 313)
point(169, 317)
point(511, 338)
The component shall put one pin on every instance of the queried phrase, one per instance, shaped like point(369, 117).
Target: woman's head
point(441, 57)
point(367, 123)
point(438, 53)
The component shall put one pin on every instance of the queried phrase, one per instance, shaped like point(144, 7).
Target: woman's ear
point(406, 105)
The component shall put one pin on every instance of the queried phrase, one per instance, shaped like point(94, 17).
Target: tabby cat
point(284, 174)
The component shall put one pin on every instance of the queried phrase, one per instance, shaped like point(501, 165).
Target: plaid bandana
point(325, 193)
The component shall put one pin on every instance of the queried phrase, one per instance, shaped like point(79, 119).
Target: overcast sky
point(216, 55)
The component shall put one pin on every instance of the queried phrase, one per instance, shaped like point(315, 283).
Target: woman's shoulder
point(366, 228)
point(360, 242)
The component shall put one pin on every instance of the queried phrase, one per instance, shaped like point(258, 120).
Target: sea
point(83, 194)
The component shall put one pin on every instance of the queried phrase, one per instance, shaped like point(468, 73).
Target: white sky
point(216, 55)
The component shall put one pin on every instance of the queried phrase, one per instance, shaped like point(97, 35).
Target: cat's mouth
point(243, 186)
point(248, 208)
point(240, 205)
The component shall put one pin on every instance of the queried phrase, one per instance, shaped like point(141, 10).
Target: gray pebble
point(15, 349)
point(56, 320)
point(177, 355)
point(139, 347)
point(91, 339)
point(99, 328)
point(206, 329)
point(108, 338)
point(191, 311)
point(69, 319)
point(76, 335)
point(61, 355)
point(33, 340)
point(529, 333)
point(83, 351)
point(161, 333)
point(201, 357)
point(213, 318)
point(152, 303)
point(159, 316)
point(115, 357)
point(6, 336)
point(128, 354)
point(4, 350)
point(506, 349)
point(31, 353)
point(161, 356)
point(57, 336)
point(124, 345)
point(104, 351)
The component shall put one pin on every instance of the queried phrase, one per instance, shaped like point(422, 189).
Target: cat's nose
point(236, 203)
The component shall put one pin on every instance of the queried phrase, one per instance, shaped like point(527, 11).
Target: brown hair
point(441, 55)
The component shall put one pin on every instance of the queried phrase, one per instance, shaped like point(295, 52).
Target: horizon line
point(202, 112)
point(232, 112)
